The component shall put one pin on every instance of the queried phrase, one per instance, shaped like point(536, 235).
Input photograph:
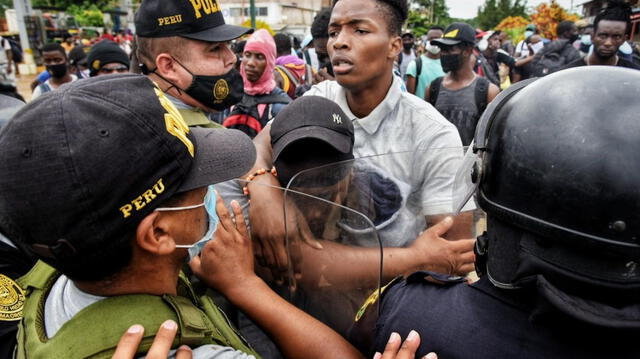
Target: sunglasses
point(118, 69)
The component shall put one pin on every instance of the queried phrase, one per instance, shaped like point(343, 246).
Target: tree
point(64, 4)
point(429, 13)
point(547, 16)
point(493, 11)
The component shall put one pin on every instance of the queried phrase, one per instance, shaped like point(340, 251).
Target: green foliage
point(87, 15)
point(64, 4)
point(431, 12)
point(494, 11)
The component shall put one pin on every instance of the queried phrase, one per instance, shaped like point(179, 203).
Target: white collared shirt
point(402, 122)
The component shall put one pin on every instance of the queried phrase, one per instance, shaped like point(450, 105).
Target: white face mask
point(432, 49)
point(209, 205)
point(528, 33)
point(537, 46)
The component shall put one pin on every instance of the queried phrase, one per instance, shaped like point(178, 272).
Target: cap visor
point(446, 42)
point(220, 33)
point(334, 139)
point(220, 155)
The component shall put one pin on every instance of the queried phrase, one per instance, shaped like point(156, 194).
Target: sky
point(466, 9)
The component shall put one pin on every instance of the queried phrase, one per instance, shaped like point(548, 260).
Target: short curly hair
point(395, 13)
point(320, 25)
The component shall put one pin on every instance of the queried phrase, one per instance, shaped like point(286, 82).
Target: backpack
point(16, 50)
point(292, 86)
point(245, 116)
point(553, 57)
point(481, 92)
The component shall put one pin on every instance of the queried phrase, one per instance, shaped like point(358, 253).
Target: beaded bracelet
point(259, 172)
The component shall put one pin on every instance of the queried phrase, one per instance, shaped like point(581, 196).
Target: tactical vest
point(195, 117)
point(95, 331)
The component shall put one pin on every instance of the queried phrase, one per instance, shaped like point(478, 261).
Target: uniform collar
point(371, 122)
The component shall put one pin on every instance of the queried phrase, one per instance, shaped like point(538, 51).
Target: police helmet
point(554, 164)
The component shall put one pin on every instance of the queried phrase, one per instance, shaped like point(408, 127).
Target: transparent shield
point(352, 226)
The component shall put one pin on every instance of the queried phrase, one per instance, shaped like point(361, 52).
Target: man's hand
point(268, 229)
point(129, 342)
point(393, 350)
point(433, 252)
point(226, 262)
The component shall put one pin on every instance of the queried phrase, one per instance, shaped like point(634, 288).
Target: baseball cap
point(105, 52)
point(530, 27)
point(199, 20)
point(83, 165)
point(78, 55)
point(456, 33)
point(314, 119)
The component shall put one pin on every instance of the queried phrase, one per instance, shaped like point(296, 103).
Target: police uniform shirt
point(457, 320)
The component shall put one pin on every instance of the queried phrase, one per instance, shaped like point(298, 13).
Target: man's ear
point(170, 70)
point(152, 235)
point(395, 47)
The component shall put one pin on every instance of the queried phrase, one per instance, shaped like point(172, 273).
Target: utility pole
point(23, 8)
point(252, 13)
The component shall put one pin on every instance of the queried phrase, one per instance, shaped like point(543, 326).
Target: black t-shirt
point(621, 63)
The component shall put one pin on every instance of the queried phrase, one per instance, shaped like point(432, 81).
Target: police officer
point(114, 209)
point(558, 265)
point(183, 46)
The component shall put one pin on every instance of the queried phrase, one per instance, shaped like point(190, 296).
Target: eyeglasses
point(119, 69)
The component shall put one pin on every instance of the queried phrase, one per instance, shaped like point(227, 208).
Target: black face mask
point(58, 71)
point(573, 38)
point(216, 92)
point(451, 62)
point(407, 46)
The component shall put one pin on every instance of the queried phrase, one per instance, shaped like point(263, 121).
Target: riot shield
point(363, 211)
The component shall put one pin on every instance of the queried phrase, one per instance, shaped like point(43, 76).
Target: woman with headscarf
point(262, 98)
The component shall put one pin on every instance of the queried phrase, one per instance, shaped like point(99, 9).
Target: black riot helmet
point(555, 166)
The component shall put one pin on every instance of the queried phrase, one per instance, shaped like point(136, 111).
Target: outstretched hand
point(435, 253)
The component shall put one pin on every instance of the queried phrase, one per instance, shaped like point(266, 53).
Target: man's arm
point(226, 264)
point(412, 80)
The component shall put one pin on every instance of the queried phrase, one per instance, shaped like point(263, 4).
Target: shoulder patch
point(11, 299)
point(373, 298)
point(435, 278)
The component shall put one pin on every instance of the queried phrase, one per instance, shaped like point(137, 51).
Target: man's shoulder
point(628, 64)
point(576, 63)
point(421, 113)
point(327, 89)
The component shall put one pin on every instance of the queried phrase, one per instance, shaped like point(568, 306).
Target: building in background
point(293, 17)
point(590, 10)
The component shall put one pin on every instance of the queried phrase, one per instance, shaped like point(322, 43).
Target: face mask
point(432, 49)
point(586, 40)
point(527, 34)
point(57, 71)
point(210, 206)
point(216, 92)
point(407, 46)
point(451, 62)
point(573, 38)
point(483, 44)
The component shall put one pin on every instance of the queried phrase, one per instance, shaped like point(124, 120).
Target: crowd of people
point(206, 190)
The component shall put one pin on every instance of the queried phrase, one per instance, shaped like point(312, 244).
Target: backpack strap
point(285, 78)
point(434, 89)
point(481, 93)
point(418, 67)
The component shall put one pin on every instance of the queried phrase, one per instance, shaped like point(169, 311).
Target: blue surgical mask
point(210, 206)
point(528, 33)
point(625, 49)
point(586, 39)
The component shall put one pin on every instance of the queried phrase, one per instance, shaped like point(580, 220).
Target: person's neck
point(433, 56)
point(62, 80)
point(462, 75)
point(594, 59)
point(363, 101)
point(408, 52)
point(154, 279)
